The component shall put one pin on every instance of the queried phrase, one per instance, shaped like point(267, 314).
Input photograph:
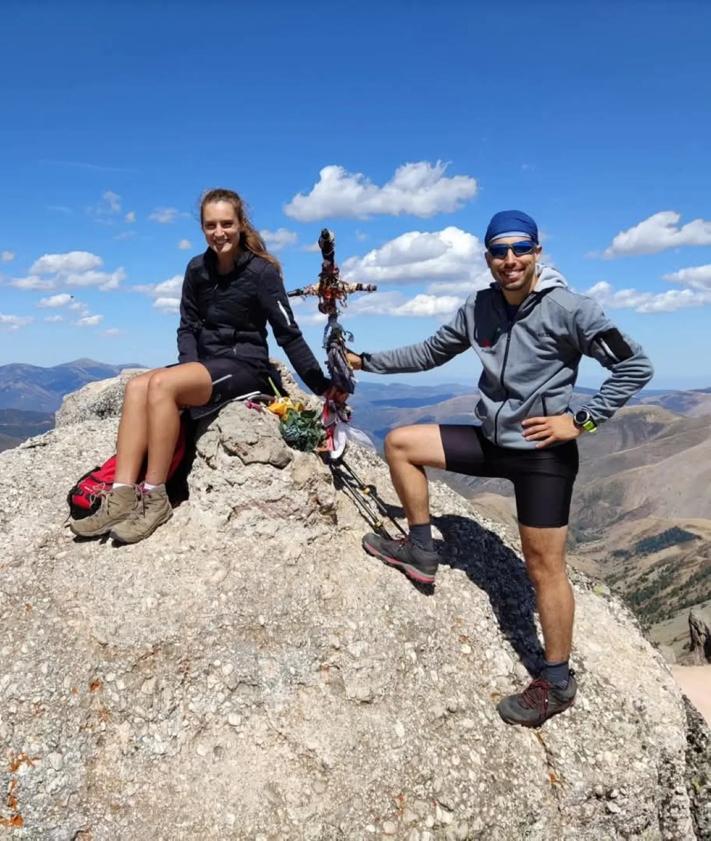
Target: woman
point(229, 294)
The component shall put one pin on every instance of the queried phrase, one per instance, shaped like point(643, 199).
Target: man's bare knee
point(396, 443)
point(419, 445)
point(544, 567)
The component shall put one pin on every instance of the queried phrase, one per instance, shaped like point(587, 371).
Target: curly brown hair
point(249, 237)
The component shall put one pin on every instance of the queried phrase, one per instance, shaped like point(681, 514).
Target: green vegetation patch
point(649, 545)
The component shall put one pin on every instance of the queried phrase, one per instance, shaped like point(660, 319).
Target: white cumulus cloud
point(55, 301)
point(165, 215)
point(184, 244)
point(450, 260)
point(166, 294)
point(281, 238)
point(658, 233)
point(53, 318)
point(104, 280)
point(89, 320)
point(72, 268)
point(107, 208)
point(420, 189)
point(14, 322)
point(648, 302)
point(7, 256)
point(430, 305)
point(172, 286)
point(696, 277)
point(130, 217)
point(112, 201)
point(67, 263)
point(394, 303)
point(33, 282)
point(167, 304)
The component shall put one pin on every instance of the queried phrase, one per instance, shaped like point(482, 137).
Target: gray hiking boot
point(115, 506)
point(418, 564)
point(153, 510)
point(538, 702)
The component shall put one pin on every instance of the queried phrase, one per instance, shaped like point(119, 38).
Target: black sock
point(422, 536)
point(556, 673)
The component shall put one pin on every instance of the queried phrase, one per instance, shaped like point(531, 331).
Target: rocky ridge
point(249, 673)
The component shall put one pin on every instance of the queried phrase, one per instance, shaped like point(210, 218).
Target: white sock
point(148, 487)
point(121, 485)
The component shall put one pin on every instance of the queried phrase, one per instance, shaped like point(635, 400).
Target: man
point(530, 331)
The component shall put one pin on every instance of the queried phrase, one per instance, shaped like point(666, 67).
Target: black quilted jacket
point(227, 315)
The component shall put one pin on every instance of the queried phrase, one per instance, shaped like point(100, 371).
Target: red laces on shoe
point(535, 695)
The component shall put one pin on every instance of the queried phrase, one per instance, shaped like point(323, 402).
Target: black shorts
point(234, 377)
point(543, 479)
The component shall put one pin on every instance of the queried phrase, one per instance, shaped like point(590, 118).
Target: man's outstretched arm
point(450, 340)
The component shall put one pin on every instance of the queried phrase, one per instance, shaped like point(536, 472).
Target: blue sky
point(401, 126)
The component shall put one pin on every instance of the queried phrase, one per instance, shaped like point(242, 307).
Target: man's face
point(514, 274)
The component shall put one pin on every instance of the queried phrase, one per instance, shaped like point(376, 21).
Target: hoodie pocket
point(553, 404)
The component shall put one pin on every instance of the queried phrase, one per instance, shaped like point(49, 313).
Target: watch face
point(582, 416)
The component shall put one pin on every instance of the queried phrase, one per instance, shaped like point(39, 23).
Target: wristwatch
point(583, 420)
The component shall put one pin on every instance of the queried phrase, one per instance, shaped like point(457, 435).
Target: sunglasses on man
point(500, 250)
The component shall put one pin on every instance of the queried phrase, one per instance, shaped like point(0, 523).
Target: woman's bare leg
point(132, 441)
point(168, 390)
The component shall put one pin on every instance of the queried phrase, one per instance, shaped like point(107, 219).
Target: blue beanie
point(510, 223)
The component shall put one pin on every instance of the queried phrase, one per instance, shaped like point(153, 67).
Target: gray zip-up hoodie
point(531, 363)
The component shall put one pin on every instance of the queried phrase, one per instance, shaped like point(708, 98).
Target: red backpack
point(84, 498)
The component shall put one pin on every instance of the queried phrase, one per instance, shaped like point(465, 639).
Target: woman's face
point(221, 228)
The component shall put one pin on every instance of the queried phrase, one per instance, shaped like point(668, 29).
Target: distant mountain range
point(378, 407)
point(30, 394)
point(36, 389)
point(16, 425)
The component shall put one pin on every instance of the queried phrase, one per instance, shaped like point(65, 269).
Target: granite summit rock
point(249, 673)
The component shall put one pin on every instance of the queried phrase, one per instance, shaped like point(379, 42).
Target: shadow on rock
point(470, 548)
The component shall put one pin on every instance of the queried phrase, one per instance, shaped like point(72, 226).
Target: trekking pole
point(342, 483)
point(366, 492)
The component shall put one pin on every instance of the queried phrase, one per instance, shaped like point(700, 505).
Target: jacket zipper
point(503, 369)
point(509, 329)
point(501, 383)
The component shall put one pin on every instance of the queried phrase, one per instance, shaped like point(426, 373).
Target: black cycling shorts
point(543, 479)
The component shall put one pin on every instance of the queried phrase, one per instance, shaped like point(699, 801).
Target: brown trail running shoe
point(115, 506)
point(538, 702)
point(153, 510)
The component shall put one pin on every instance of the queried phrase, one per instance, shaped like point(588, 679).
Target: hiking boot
point(418, 564)
point(153, 510)
point(115, 506)
point(538, 702)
